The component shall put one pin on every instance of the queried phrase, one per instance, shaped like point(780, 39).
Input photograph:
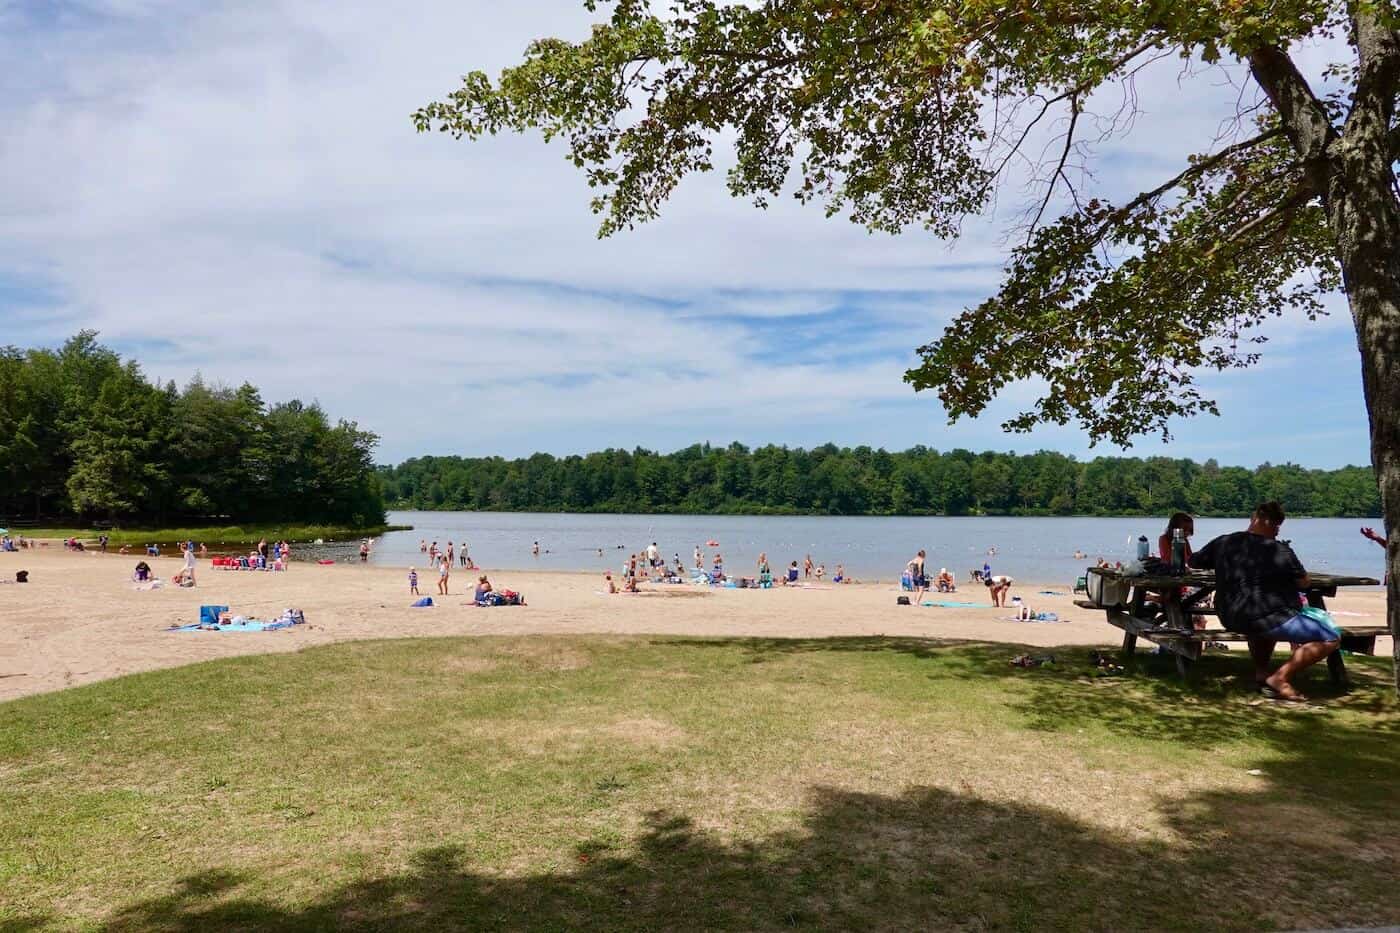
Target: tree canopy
point(85, 435)
point(831, 480)
point(900, 112)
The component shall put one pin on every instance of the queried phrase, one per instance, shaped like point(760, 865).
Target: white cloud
point(238, 188)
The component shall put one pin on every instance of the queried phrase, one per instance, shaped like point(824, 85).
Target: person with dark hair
point(1257, 581)
point(1188, 527)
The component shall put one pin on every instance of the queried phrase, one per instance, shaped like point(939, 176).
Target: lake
point(1031, 549)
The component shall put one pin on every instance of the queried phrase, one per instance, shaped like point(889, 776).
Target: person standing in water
point(535, 549)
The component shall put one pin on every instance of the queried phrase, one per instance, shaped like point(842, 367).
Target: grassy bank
point(610, 783)
point(214, 535)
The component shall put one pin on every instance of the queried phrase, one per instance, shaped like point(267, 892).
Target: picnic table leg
point(1336, 665)
point(1183, 665)
point(1129, 644)
point(1337, 668)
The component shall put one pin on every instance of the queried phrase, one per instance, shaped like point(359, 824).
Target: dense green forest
point(85, 435)
point(832, 480)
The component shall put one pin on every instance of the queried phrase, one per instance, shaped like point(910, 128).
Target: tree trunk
point(1351, 170)
point(1368, 236)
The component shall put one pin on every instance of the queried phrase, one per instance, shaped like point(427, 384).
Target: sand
point(80, 620)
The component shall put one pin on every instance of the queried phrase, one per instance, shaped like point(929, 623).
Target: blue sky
point(237, 190)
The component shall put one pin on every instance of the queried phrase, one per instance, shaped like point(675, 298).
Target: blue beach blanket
point(250, 626)
point(951, 604)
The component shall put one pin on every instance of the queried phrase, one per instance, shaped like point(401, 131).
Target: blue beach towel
point(423, 603)
point(250, 626)
point(950, 604)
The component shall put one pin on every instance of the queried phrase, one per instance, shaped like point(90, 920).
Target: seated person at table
point(1257, 579)
point(1164, 541)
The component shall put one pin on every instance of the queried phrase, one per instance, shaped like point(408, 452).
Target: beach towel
point(248, 625)
point(1049, 593)
point(1039, 617)
point(288, 619)
point(953, 604)
point(423, 603)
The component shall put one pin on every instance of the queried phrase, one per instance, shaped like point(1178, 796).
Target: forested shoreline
point(829, 480)
point(86, 436)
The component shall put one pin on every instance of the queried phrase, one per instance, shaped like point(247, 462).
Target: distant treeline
point(832, 480)
point(84, 435)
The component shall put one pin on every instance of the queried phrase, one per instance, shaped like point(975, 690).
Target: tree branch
point(1302, 115)
point(1059, 166)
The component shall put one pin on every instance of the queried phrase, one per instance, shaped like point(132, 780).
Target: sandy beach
point(80, 619)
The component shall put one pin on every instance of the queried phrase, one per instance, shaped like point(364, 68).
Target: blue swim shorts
point(1302, 629)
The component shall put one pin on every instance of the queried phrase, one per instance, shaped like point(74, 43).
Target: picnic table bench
point(1161, 608)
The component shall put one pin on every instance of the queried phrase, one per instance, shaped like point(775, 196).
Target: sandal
point(1272, 693)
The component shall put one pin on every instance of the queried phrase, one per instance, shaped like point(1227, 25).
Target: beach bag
point(21, 576)
point(423, 603)
point(901, 601)
point(209, 615)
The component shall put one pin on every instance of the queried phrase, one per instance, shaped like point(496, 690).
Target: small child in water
point(413, 581)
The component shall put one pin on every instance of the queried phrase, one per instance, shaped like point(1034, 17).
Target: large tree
point(900, 112)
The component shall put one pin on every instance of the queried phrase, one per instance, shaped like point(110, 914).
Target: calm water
point(1033, 549)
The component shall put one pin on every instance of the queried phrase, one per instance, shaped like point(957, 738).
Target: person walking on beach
point(444, 571)
point(412, 581)
point(464, 554)
point(807, 567)
point(653, 556)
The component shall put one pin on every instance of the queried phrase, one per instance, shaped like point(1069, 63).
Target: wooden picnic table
point(1162, 607)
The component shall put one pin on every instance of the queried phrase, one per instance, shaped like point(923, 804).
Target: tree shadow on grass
point(923, 859)
point(1308, 841)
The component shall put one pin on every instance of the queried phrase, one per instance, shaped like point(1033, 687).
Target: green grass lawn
point(212, 535)
point(662, 784)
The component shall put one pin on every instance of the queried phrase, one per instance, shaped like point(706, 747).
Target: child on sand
point(608, 582)
point(413, 581)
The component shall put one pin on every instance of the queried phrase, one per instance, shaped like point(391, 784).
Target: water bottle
point(1142, 547)
point(1178, 550)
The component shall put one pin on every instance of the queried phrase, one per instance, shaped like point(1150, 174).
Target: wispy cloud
point(236, 189)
